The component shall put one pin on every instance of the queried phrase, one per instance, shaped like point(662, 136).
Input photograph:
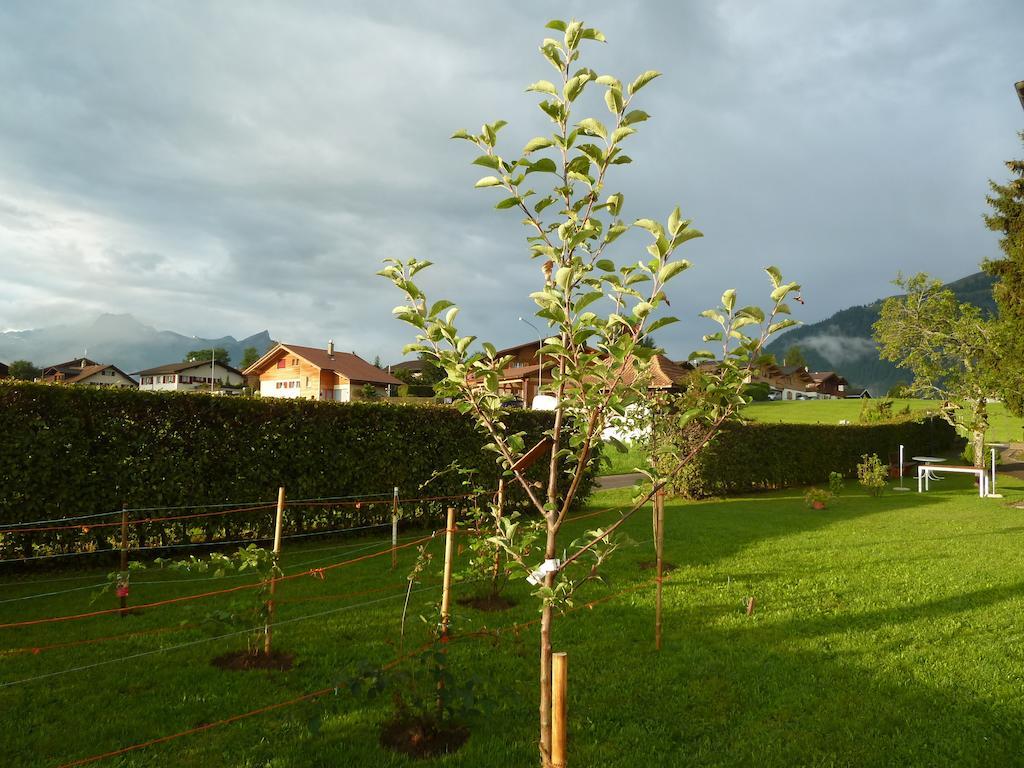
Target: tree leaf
point(540, 142)
point(508, 202)
point(672, 269)
point(592, 127)
point(643, 80)
point(488, 181)
point(543, 86)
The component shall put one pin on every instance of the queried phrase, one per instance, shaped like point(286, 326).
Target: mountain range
point(844, 342)
point(118, 339)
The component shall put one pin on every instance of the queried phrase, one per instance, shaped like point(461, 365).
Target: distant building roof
point(179, 367)
point(348, 364)
point(79, 363)
point(412, 366)
point(81, 374)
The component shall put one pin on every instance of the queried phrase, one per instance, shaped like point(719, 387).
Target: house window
point(281, 363)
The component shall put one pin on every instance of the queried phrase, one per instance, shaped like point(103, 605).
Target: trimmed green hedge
point(753, 457)
point(67, 451)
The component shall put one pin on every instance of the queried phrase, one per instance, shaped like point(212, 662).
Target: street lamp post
point(540, 355)
point(213, 367)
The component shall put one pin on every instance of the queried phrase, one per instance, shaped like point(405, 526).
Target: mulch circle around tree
point(490, 603)
point(421, 738)
point(240, 661)
point(650, 565)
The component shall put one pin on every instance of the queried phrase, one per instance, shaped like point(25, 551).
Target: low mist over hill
point(118, 339)
point(844, 342)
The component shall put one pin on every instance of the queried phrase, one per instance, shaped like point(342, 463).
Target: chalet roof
point(536, 345)
point(179, 367)
point(664, 374)
point(85, 373)
point(822, 376)
point(78, 363)
point(348, 364)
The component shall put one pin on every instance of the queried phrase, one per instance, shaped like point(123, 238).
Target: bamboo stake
point(394, 530)
point(449, 545)
point(559, 708)
point(268, 628)
point(659, 544)
point(122, 587)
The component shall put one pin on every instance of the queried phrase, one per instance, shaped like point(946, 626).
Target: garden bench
point(925, 471)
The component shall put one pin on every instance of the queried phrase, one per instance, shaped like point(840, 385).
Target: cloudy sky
point(221, 168)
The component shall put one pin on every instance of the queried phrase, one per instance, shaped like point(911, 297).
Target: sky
point(222, 168)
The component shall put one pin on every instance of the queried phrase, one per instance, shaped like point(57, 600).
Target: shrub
point(872, 474)
point(817, 496)
point(69, 451)
point(836, 483)
point(753, 457)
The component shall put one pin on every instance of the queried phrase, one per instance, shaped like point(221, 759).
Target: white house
point(195, 376)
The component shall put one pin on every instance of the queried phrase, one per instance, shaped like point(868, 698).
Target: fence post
point(559, 708)
point(449, 545)
point(122, 579)
point(268, 628)
point(394, 530)
point(659, 545)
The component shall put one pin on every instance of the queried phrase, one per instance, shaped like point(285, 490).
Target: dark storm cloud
point(221, 168)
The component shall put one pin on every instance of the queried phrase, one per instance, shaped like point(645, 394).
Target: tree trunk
point(980, 426)
point(978, 443)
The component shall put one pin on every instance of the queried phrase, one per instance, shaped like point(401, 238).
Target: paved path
point(1013, 461)
point(618, 481)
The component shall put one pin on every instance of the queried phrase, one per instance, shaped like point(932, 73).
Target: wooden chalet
point(317, 373)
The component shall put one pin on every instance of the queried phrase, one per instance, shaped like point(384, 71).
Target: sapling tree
point(598, 312)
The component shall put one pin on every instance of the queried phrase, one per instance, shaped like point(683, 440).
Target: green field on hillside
point(1003, 426)
point(886, 631)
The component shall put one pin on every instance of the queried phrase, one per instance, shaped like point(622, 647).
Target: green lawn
point(623, 462)
point(1004, 427)
point(887, 632)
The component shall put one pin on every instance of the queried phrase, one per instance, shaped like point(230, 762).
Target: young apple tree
point(598, 312)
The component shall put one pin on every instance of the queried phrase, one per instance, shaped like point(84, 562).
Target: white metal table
point(929, 474)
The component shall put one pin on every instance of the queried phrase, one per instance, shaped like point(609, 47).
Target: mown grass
point(887, 631)
point(1003, 426)
point(622, 462)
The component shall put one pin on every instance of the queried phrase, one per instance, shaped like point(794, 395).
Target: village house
point(311, 373)
point(193, 376)
point(83, 371)
point(829, 384)
point(4, 371)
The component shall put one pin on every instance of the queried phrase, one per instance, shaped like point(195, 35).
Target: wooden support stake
point(449, 547)
point(659, 544)
point(122, 585)
point(278, 519)
point(559, 708)
point(394, 530)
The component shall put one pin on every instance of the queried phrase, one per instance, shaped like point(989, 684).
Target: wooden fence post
point(122, 579)
point(394, 530)
point(278, 519)
point(659, 544)
point(449, 545)
point(559, 708)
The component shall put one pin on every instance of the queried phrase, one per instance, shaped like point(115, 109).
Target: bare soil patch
point(240, 661)
point(489, 603)
point(421, 738)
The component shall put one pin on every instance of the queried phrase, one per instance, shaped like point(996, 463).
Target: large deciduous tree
point(24, 370)
point(1007, 217)
point(598, 312)
point(950, 347)
point(220, 354)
